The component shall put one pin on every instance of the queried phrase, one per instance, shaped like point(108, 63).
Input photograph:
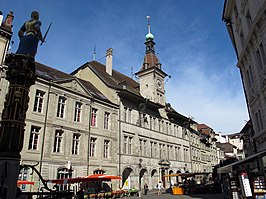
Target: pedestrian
point(146, 188)
point(80, 193)
point(159, 186)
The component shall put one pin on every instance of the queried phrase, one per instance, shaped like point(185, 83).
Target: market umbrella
point(102, 177)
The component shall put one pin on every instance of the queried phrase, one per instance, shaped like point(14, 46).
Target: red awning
point(92, 177)
point(21, 182)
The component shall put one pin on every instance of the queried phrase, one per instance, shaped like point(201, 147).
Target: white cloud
point(194, 91)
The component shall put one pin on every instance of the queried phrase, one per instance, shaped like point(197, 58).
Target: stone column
point(21, 75)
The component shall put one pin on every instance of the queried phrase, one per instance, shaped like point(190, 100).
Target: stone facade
point(245, 22)
point(97, 120)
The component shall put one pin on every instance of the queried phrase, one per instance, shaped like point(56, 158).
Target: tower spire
point(149, 25)
point(149, 36)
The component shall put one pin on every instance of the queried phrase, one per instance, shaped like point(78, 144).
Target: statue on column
point(30, 34)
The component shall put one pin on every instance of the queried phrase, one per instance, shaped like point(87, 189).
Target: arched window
point(99, 171)
point(64, 173)
point(23, 175)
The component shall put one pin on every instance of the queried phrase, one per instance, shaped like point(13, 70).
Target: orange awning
point(186, 174)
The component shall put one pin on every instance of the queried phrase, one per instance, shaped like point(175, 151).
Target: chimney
point(109, 61)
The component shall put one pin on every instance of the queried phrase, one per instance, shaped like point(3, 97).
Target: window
point(140, 147)
point(186, 155)
point(152, 149)
point(177, 153)
point(259, 60)
point(75, 144)
point(64, 173)
point(262, 53)
point(23, 175)
point(127, 144)
point(99, 171)
point(129, 115)
point(106, 146)
point(58, 141)
point(106, 120)
point(242, 39)
point(259, 120)
point(154, 123)
point(34, 138)
point(249, 20)
point(155, 149)
point(236, 11)
point(93, 147)
point(77, 116)
point(145, 148)
point(39, 98)
point(94, 117)
point(160, 151)
point(61, 107)
point(168, 152)
point(250, 76)
point(125, 114)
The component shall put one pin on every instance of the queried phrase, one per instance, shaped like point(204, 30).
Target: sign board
point(245, 184)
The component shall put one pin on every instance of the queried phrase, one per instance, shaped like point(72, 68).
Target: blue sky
point(191, 41)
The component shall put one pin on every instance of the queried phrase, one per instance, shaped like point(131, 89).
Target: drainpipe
point(89, 137)
point(119, 141)
point(45, 124)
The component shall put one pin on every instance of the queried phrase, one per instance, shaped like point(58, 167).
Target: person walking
point(146, 188)
point(159, 186)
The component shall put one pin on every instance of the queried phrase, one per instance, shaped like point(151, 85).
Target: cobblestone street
point(153, 195)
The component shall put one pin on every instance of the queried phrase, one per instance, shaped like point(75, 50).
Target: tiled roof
point(49, 73)
point(226, 147)
point(117, 80)
point(203, 126)
point(151, 60)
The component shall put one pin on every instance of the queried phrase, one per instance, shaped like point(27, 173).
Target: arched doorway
point(154, 178)
point(178, 179)
point(164, 166)
point(170, 179)
point(141, 179)
point(126, 178)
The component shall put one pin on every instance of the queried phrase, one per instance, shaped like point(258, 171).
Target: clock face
point(159, 83)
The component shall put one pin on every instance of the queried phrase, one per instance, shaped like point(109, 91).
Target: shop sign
point(245, 184)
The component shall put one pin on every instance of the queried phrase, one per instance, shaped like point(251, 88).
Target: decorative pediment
point(74, 85)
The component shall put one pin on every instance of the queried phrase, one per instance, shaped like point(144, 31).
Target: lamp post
point(21, 75)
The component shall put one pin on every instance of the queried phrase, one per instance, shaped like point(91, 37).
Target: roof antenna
point(131, 70)
point(94, 52)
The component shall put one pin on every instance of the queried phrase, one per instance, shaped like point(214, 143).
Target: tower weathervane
point(149, 25)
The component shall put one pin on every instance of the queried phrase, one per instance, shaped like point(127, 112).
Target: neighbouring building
point(232, 144)
point(246, 25)
point(245, 22)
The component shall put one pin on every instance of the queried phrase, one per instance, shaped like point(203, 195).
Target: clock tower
point(151, 77)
